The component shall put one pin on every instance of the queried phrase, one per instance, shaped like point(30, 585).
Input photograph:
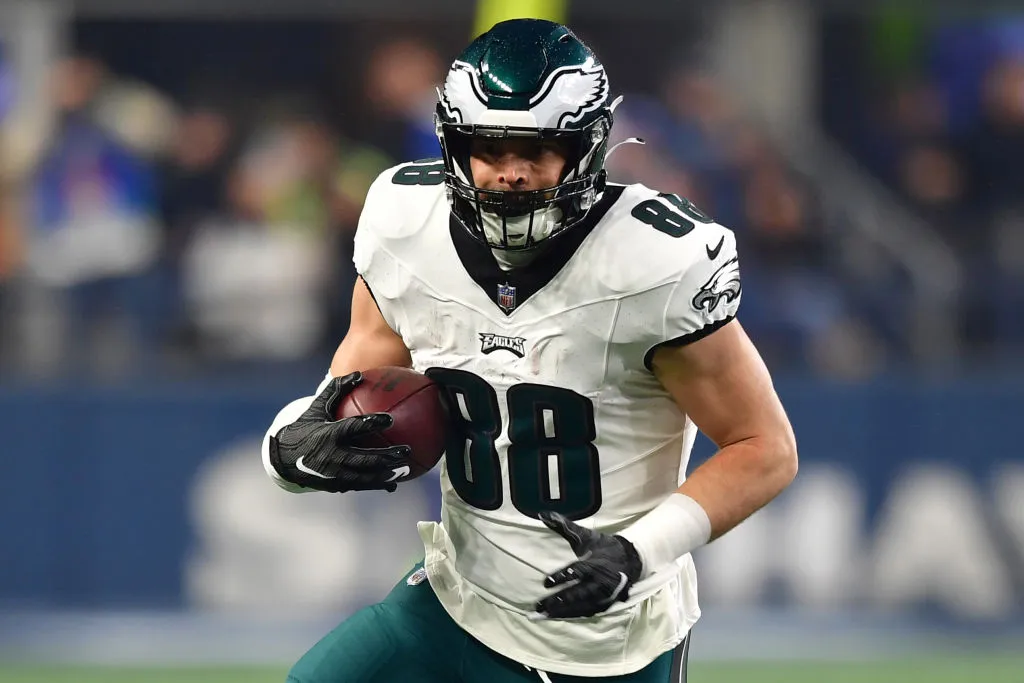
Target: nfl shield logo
point(506, 297)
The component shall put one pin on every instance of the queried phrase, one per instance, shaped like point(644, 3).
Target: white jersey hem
point(624, 651)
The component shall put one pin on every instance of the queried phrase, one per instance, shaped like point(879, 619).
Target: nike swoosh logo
point(623, 580)
point(301, 467)
point(713, 253)
point(402, 471)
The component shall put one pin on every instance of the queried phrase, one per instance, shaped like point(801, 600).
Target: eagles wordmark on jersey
point(557, 408)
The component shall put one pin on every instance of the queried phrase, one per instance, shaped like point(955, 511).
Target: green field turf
point(968, 669)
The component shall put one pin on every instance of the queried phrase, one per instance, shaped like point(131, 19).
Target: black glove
point(316, 450)
point(607, 568)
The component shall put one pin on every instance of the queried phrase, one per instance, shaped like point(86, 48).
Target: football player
point(582, 331)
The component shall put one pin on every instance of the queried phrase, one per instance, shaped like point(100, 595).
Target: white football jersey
point(555, 406)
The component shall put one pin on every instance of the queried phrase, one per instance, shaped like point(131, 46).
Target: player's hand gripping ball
point(363, 432)
point(418, 416)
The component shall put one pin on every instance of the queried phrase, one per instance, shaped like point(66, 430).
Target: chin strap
point(544, 222)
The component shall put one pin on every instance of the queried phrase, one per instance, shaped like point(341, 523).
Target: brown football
point(414, 401)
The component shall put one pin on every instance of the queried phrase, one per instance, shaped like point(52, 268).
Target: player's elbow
point(783, 458)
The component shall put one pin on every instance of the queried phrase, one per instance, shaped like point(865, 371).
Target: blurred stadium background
point(179, 183)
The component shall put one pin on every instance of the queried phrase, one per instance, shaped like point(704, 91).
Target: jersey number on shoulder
point(552, 461)
point(671, 221)
point(427, 172)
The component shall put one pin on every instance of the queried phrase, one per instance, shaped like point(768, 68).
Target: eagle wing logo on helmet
point(568, 94)
point(461, 96)
point(724, 284)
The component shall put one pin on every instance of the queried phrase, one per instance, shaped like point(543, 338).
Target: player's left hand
point(606, 569)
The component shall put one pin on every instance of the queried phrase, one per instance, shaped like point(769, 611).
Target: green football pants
point(409, 638)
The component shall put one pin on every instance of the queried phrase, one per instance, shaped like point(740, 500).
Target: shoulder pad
point(650, 238)
point(676, 270)
point(397, 204)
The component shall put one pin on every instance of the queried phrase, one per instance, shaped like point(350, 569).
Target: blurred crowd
point(162, 234)
point(201, 230)
point(937, 112)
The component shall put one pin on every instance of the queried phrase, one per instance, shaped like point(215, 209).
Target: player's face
point(519, 164)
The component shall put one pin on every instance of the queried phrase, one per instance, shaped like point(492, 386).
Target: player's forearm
point(741, 479)
point(728, 488)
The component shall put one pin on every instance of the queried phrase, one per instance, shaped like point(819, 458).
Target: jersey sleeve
point(371, 218)
point(707, 294)
point(396, 217)
point(372, 261)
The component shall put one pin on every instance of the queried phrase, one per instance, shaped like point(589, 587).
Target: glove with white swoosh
point(318, 452)
point(607, 568)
